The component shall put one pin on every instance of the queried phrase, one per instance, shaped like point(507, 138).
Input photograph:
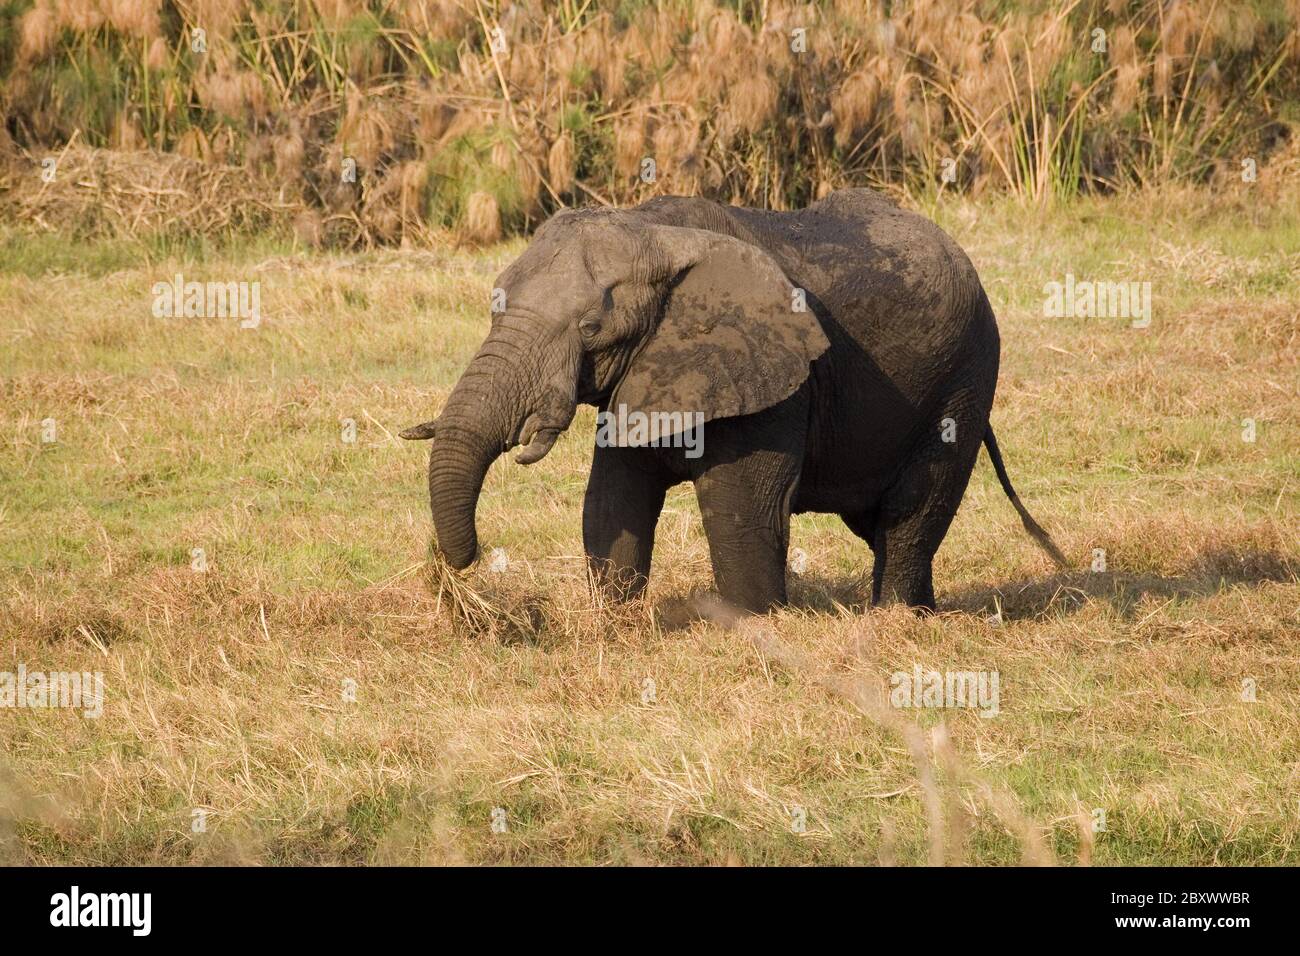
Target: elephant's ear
point(734, 337)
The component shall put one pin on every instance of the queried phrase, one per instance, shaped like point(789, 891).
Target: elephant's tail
point(1033, 527)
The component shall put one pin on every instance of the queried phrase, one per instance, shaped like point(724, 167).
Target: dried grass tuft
point(37, 30)
point(854, 105)
point(560, 163)
point(482, 221)
point(477, 611)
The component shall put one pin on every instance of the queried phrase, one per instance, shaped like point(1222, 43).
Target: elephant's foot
point(612, 583)
point(914, 588)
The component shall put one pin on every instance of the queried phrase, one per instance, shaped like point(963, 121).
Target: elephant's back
point(897, 294)
point(881, 267)
point(887, 279)
point(912, 339)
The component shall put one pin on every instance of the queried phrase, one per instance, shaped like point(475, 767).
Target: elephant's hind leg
point(918, 508)
point(863, 524)
point(625, 495)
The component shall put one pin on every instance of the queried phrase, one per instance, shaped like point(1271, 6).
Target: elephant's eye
point(589, 328)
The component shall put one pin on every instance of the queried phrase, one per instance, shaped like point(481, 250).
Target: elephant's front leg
point(745, 504)
point(624, 497)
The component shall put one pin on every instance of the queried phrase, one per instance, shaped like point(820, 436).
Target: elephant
point(837, 359)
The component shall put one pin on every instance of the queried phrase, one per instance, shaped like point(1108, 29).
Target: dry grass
point(640, 734)
point(115, 194)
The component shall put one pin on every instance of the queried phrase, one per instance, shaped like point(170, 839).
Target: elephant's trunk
point(488, 412)
point(474, 428)
point(458, 464)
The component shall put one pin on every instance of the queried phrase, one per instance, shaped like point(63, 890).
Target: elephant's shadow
point(1065, 592)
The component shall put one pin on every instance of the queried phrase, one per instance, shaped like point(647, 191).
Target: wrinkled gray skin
point(686, 305)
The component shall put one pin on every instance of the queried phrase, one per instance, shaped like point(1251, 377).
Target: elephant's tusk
point(418, 432)
point(538, 446)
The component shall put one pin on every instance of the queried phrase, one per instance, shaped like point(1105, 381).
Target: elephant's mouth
point(537, 439)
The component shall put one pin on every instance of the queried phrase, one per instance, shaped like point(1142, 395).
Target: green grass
point(1120, 690)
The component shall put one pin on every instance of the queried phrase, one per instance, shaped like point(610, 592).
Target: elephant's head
point(607, 307)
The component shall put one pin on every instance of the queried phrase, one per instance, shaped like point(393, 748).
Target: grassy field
point(613, 738)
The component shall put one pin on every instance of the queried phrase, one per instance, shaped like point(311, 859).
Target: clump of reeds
point(515, 111)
